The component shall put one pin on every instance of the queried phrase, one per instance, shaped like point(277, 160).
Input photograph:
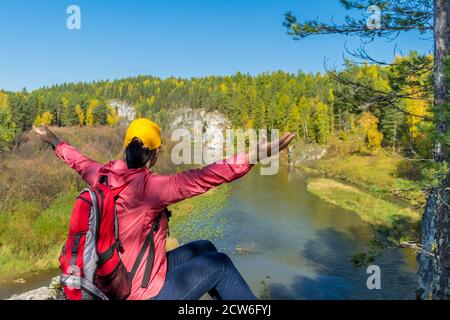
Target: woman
point(189, 271)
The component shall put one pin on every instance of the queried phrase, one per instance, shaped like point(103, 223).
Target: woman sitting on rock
point(191, 270)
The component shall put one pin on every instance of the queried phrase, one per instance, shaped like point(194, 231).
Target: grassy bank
point(31, 239)
point(380, 174)
point(395, 222)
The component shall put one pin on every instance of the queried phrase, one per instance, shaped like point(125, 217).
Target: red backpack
point(91, 266)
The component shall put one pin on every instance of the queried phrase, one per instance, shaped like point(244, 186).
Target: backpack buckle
point(119, 245)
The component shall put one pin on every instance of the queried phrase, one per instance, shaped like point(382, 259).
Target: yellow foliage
point(369, 124)
point(113, 117)
point(38, 121)
point(419, 109)
point(151, 101)
point(250, 123)
point(374, 138)
point(80, 114)
point(94, 103)
point(46, 119)
point(90, 116)
point(373, 72)
point(365, 121)
point(331, 96)
point(65, 101)
point(3, 101)
point(224, 88)
point(253, 93)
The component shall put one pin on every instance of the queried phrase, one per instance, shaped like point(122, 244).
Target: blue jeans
point(197, 268)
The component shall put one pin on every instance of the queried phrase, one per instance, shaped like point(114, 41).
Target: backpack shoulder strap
point(148, 243)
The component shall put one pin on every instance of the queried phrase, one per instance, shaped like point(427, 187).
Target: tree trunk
point(395, 137)
point(441, 49)
point(434, 271)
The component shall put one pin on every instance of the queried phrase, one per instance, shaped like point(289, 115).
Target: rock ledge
point(52, 292)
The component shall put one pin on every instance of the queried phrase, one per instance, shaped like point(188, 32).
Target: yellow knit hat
point(146, 130)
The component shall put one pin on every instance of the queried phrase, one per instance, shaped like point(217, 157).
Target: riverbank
point(379, 174)
point(395, 222)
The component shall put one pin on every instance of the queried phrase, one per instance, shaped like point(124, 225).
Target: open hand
point(46, 134)
point(268, 149)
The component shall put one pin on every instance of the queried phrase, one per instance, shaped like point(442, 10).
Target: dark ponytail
point(136, 155)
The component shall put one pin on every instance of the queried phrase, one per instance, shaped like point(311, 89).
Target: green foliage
point(392, 126)
point(263, 101)
point(7, 128)
point(321, 122)
point(434, 173)
point(31, 238)
point(396, 16)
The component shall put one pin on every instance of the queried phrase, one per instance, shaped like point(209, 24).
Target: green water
point(305, 245)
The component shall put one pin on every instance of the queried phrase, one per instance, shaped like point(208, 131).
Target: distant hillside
point(315, 106)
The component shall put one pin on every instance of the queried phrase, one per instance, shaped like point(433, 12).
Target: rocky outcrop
point(207, 128)
point(124, 110)
point(52, 292)
point(306, 153)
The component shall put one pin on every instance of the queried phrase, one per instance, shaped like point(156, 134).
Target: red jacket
point(144, 198)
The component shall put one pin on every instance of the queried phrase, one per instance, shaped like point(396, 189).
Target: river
point(301, 247)
point(304, 244)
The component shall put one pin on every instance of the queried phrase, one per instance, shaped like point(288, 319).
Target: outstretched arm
point(165, 190)
point(85, 166)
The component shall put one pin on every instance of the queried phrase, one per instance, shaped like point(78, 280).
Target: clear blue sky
point(182, 38)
